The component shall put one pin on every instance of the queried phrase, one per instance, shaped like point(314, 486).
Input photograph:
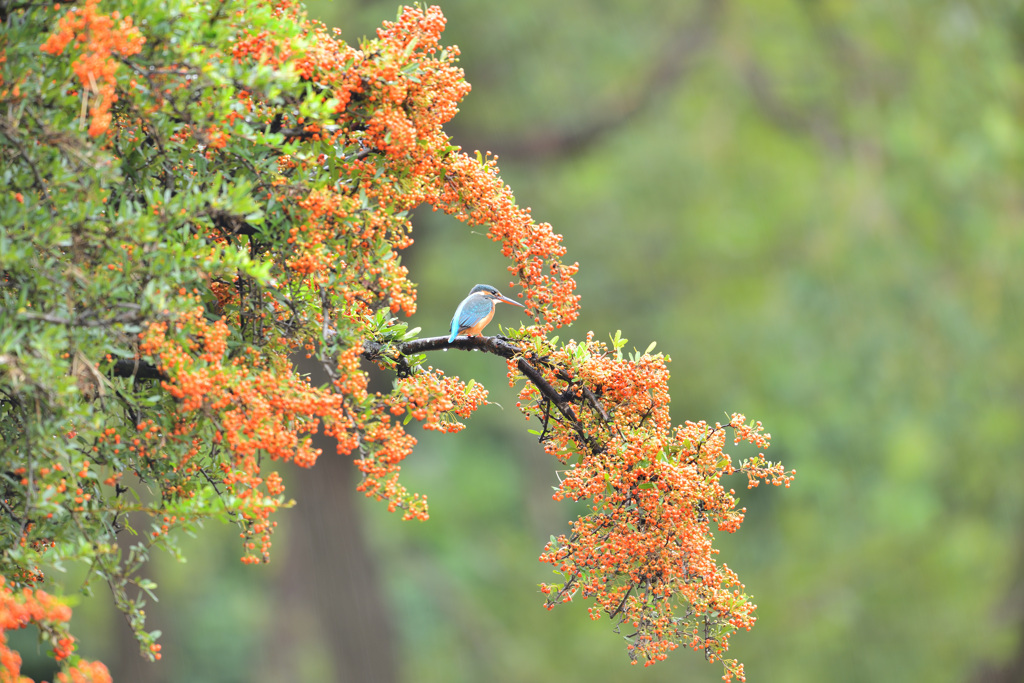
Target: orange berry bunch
point(99, 39)
point(35, 607)
point(434, 399)
point(643, 553)
point(259, 411)
point(474, 192)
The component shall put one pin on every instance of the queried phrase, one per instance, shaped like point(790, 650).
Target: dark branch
point(673, 63)
point(136, 368)
point(499, 346)
point(10, 512)
point(229, 223)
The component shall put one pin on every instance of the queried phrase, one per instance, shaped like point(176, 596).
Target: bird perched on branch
point(476, 310)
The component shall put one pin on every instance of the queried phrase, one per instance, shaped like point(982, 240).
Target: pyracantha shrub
point(193, 193)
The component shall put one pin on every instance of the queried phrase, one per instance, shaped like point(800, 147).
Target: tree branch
point(136, 368)
point(670, 67)
point(499, 346)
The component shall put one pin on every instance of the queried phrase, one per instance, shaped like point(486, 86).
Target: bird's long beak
point(504, 298)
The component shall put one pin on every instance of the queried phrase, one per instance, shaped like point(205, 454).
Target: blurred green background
point(815, 209)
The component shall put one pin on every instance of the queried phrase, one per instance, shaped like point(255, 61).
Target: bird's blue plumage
point(455, 321)
point(476, 310)
point(472, 309)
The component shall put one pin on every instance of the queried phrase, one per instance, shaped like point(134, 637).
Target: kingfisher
point(476, 310)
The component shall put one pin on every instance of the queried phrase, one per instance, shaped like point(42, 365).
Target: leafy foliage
point(196, 192)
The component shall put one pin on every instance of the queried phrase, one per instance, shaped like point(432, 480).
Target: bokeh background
point(815, 208)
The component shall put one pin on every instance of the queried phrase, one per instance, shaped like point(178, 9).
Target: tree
point(193, 193)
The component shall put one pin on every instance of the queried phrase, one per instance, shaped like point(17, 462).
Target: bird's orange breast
point(476, 328)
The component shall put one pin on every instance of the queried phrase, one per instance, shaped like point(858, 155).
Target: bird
point(476, 310)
